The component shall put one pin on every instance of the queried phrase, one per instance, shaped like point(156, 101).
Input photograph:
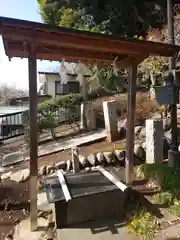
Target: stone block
point(90, 117)
point(154, 140)
point(110, 119)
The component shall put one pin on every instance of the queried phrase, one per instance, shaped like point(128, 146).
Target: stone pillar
point(75, 159)
point(110, 119)
point(90, 117)
point(154, 141)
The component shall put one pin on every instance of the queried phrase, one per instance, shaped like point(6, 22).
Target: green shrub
point(167, 177)
point(174, 208)
point(168, 180)
point(143, 224)
point(69, 101)
point(165, 198)
point(48, 113)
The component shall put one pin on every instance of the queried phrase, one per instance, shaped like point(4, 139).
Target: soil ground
point(13, 193)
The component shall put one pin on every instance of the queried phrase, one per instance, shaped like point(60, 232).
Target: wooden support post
point(130, 122)
point(83, 87)
point(33, 135)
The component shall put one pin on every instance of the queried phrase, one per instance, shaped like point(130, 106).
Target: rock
point(20, 176)
point(142, 132)
point(109, 157)
point(49, 235)
point(139, 151)
point(40, 184)
point(178, 113)
point(120, 155)
point(143, 145)
point(50, 169)
point(42, 170)
point(6, 176)
point(122, 132)
point(12, 158)
point(168, 136)
point(178, 106)
point(166, 124)
point(69, 165)
point(87, 169)
point(94, 168)
point(9, 236)
point(100, 158)
point(83, 161)
point(92, 159)
point(61, 165)
point(137, 130)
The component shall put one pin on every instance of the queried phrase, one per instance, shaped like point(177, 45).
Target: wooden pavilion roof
point(57, 43)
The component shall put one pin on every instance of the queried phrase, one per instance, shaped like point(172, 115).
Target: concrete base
point(174, 158)
point(106, 229)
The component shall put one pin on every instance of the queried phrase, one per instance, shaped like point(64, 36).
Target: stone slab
point(42, 203)
point(57, 146)
point(154, 141)
point(110, 118)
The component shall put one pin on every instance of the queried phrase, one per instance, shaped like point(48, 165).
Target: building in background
point(54, 86)
point(24, 101)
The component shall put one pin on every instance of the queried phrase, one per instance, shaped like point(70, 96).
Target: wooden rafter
point(16, 32)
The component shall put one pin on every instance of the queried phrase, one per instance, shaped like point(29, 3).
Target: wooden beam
point(33, 135)
point(29, 31)
point(64, 186)
point(113, 179)
point(68, 54)
point(78, 41)
point(131, 112)
point(85, 41)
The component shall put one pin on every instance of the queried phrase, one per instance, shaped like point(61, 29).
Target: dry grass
point(144, 107)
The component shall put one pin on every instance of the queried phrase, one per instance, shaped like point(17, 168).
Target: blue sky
point(15, 73)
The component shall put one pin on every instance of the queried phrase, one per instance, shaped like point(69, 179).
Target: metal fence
point(11, 125)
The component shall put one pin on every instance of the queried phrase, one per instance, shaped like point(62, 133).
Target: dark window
point(58, 88)
point(74, 87)
point(61, 89)
point(70, 87)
